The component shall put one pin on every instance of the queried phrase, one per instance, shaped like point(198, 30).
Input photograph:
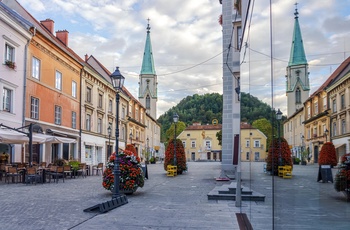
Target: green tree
point(266, 128)
point(219, 136)
point(180, 126)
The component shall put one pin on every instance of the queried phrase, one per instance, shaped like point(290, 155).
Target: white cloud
point(186, 33)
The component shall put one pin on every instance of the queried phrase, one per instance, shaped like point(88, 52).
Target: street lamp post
point(302, 146)
point(109, 129)
point(326, 134)
point(176, 119)
point(117, 82)
point(147, 150)
point(279, 117)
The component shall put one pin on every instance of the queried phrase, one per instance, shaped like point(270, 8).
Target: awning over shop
point(9, 136)
point(52, 139)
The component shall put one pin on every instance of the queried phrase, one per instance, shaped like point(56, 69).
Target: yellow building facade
point(253, 144)
point(200, 143)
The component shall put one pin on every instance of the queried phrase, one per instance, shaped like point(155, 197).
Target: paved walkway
point(178, 203)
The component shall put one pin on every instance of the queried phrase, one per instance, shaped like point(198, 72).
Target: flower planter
point(129, 191)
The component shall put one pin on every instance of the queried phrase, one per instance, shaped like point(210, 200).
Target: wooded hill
point(205, 108)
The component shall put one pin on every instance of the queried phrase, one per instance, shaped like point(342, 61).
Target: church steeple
point(297, 77)
point(297, 53)
point(148, 63)
point(148, 79)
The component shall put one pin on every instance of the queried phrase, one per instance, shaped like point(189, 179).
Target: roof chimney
point(86, 57)
point(49, 24)
point(62, 35)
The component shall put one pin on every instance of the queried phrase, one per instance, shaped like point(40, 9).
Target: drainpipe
point(80, 112)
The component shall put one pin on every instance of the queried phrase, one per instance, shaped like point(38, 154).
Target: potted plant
point(342, 178)
point(152, 160)
point(304, 156)
point(10, 64)
point(131, 174)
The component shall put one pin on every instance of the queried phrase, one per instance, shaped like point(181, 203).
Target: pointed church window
point(148, 102)
point(297, 96)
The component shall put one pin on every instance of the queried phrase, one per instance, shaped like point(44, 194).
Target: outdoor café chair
point(13, 173)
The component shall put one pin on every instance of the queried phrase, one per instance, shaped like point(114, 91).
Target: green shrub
point(74, 165)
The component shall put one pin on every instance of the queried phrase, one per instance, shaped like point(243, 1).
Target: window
point(343, 126)
point(99, 125)
point(34, 108)
point(36, 68)
point(334, 106)
point(256, 144)
point(110, 106)
point(184, 144)
point(188, 134)
point(7, 100)
point(247, 156)
point(123, 112)
point(247, 143)
point(88, 122)
point(88, 152)
point(308, 112)
point(257, 156)
point(74, 89)
point(342, 101)
point(324, 103)
point(122, 133)
point(58, 111)
point(58, 80)
point(130, 109)
point(193, 144)
point(74, 120)
point(334, 129)
point(137, 114)
point(148, 102)
point(9, 53)
point(297, 96)
point(100, 97)
point(316, 107)
point(239, 37)
point(88, 94)
point(208, 144)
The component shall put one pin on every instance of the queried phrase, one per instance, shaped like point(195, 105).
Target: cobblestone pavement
point(299, 203)
point(178, 202)
point(163, 203)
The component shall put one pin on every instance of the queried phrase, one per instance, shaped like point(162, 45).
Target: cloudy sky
point(187, 41)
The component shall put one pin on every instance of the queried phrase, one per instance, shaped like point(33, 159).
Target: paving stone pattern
point(179, 202)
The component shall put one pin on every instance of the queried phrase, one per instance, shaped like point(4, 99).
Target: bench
point(171, 170)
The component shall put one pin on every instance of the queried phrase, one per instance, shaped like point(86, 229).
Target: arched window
point(148, 102)
point(297, 96)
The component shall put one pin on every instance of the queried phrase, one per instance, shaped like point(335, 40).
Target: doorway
point(316, 154)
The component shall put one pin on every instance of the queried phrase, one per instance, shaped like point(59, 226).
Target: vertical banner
point(235, 149)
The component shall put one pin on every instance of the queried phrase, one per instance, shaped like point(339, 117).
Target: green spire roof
point(147, 62)
point(297, 53)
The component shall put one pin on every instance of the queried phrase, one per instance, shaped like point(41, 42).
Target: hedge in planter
point(278, 146)
point(131, 175)
point(180, 156)
point(327, 155)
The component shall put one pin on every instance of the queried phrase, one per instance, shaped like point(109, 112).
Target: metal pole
point(31, 144)
point(116, 169)
point(175, 163)
point(279, 144)
point(109, 144)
